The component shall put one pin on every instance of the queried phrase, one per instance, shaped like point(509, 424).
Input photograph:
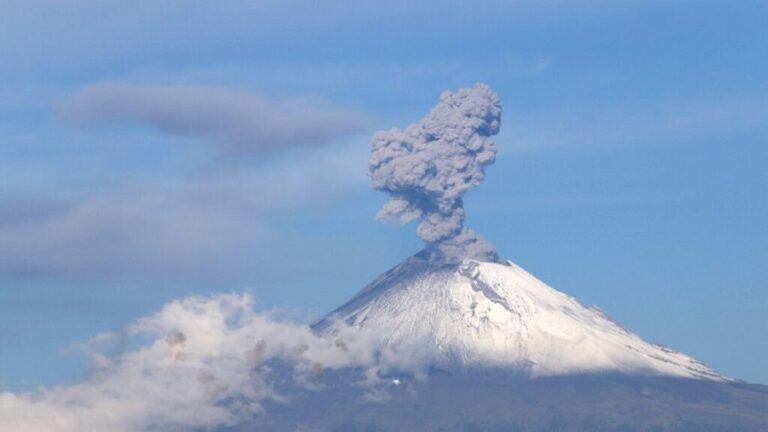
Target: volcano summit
point(498, 315)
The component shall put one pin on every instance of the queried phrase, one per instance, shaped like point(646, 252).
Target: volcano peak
point(495, 314)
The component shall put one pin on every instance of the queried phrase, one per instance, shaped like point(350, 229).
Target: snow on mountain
point(497, 314)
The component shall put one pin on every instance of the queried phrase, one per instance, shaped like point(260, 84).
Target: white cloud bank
point(198, 363)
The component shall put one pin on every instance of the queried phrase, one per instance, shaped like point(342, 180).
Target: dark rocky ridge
point(495, 400)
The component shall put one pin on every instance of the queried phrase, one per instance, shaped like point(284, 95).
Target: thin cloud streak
point(604, 128)
point(235, 121)
point(184, 229)
point(15, 210)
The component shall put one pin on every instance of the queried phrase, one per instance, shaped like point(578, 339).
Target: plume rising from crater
point(429, 166)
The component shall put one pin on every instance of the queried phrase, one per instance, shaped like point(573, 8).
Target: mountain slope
point(499, 315)
point(494, 401)
point(503, 352)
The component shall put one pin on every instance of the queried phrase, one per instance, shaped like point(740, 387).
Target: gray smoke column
point(430, 165)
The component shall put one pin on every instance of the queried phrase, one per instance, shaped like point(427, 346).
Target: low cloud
point(200, 362)
point(235, 121)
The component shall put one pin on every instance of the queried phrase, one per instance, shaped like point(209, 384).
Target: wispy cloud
point(15, 210)
point(379, 80)
point(183, 228)
point(236, 121)
point(193, 225)
point(661, 123)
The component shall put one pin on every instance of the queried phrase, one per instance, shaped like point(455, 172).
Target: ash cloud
point(428, 167)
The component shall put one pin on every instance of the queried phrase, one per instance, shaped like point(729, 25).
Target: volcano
point(497, 314)
point(463, 341)
point(505, 352)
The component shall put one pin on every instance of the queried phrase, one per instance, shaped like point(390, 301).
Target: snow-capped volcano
point(453, 339)
point(485, 346)
point(497, 314)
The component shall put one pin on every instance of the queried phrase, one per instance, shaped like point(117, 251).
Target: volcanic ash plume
point(430, 165)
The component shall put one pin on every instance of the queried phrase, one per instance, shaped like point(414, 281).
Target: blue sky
point(152, 150)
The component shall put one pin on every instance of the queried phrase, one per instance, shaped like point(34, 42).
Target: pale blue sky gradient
point(631, 171)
